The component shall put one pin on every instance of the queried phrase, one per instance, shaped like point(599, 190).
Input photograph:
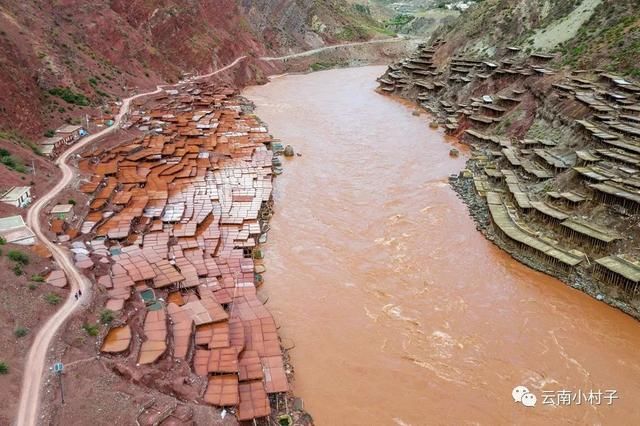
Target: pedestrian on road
point(76, 296)
point(80, 292)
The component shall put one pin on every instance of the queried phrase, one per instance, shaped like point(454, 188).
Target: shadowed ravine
point(400, 311)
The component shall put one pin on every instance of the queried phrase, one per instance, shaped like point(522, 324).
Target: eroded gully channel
point(400, 311)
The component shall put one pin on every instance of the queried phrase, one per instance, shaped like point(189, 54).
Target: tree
point(4, 368)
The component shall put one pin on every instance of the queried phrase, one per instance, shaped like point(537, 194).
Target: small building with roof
point(70, 133)
point(63, 211)
point(18, 196)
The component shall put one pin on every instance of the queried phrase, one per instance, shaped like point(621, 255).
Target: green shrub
point(91, 329)
point(32, 286)
point(20, 332)
point(52, 298)
point(17, 269)
point(4, 368)
point(37, 278)
point(8, 160)
point(399, 20)
point(49, 133)
point(3, 241)
point(18, 257)
point(107, 316)
point(69, 96)
point(71, 201)
point(319, 66)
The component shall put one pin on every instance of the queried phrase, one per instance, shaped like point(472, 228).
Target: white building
point(14, 230)
point(63, 211)
point(18, 196)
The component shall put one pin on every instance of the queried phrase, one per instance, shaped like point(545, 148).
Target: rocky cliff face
point(95, 51)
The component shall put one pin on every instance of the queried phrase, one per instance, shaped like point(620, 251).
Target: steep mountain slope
point(584, 33)
point(58, 58)
point(547, 96)
point(417, 17)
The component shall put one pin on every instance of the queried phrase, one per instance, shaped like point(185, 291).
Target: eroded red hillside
point(101, 50)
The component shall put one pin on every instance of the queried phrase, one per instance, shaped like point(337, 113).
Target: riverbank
point(234, 78)
point(554, 158)
point(178, 213)
point(580, 279)
point(391, 299)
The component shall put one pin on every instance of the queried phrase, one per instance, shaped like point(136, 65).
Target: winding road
point(35, 363)
point(333, 47)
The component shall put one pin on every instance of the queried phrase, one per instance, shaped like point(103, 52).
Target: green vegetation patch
point(352, 33)
point(610, 38)
point(52, 298)
point(18, 257)
point(13, 136)
point(91, 329)
point(319, 66)
point(11, 162)
point(107, 316)
point(69, 96)
point(20, 332)
point(399, 21)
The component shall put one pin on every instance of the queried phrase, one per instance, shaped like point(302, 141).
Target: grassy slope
point(610, 38)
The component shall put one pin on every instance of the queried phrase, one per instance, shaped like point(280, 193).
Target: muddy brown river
point(400, 311)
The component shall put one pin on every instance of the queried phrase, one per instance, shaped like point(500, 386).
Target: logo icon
point(521, 394)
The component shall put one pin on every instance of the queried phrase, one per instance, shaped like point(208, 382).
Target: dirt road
point(335, 46)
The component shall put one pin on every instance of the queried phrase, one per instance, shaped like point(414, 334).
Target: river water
point(400, 311)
